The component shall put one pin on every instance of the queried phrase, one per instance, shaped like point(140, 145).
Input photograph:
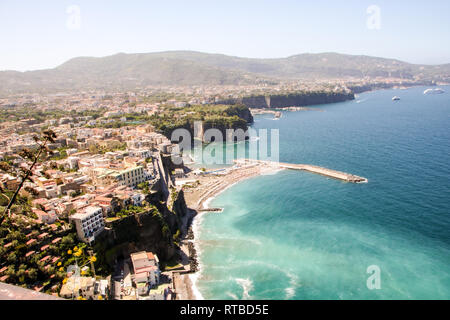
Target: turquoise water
point(296, 235)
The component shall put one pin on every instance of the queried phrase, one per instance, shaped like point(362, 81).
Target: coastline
point(224, 183)
point(211, 185)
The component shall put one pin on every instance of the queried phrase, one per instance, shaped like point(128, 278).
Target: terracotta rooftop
point(45, 258)
point(4, 278)
point(30, 242)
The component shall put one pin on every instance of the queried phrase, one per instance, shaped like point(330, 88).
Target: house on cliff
point(146, 271)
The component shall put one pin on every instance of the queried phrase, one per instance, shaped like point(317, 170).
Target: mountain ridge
point(181, 68)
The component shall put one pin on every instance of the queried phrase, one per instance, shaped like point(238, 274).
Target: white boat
point(395, 98)
point(434, 91)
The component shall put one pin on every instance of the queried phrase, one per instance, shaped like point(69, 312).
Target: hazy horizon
point(40, 35)
point(218, 53)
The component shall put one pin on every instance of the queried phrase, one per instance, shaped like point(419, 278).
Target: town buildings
point(86, 287)
point(89, 223)
point(146, 271)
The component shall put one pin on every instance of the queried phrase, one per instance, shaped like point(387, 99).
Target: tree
point(34, 157)
point(144, 186)
point(67, 240)
point(32, 274)
point(12, 258)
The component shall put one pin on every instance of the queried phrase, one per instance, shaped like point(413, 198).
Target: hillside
point(176, 68)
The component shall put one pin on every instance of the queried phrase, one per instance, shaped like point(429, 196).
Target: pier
point(347, 177)
point(325, 172)
point(215, 182)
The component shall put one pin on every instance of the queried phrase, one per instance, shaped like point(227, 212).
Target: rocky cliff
point(236, 116)
point(377, 86)
point(145, 231)
point(153, 231)
point(291, 100)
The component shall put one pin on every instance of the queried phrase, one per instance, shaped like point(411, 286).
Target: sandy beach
point(198, 199)
point(183, 287)
point(211, 185)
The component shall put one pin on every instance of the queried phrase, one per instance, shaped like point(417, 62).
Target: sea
point(301, 236)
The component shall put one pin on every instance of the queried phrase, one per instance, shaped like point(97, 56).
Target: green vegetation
point(62, 154)
point(172, 264)
point(221, 117)
point(129, 229)
point(144, 186)
point(98, 149)
point(130, 211)
point(42, 263)
point(27, 111)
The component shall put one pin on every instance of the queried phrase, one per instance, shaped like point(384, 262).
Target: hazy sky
point(43, 34)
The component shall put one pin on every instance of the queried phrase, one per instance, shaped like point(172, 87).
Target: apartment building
point(131, 177)
point(146, 271)
point(89, 223)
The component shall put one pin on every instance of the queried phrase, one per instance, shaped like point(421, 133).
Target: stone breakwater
point(306, 167)
point(193, 261)
point(325, 172)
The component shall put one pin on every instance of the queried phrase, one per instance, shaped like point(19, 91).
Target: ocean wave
point(247, 286)
point(293, 282)
point(290, 293)
point(232, 295)
point(194, 278)
point(196, 229)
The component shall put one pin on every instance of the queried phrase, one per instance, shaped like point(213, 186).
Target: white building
point(137, 199)
point(89, 223)
point(131, 177)
point(140, 153)
point(72, 162)
point(51, 191)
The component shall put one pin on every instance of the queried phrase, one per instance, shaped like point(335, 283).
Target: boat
point(434, 91)
point(395, 98)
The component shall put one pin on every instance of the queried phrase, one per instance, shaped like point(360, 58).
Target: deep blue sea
point(297, 235)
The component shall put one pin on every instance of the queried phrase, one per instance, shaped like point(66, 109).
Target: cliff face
point(146, 231)
point(295, 100)
point(223, 125)
point(234, 117)
point(242, 111)
point(179, 205)
point(376, 86)
point(182, 213)
point(237, 117)
point(291, 100)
